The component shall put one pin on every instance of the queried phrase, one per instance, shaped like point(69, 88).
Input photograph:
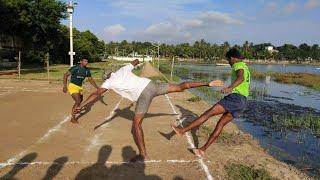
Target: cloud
point(290, 8)
point(210, 24)
point(312, 4)
point(114, 30)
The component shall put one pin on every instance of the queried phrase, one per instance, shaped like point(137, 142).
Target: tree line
point(209, 52)
point(38, 24)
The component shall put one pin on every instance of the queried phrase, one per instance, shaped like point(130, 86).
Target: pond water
point(299, 148)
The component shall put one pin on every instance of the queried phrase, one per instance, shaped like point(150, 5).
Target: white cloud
point(208, 24)
point(218, 18)
point(114, 30)
point(290, 8)
point(312, 4)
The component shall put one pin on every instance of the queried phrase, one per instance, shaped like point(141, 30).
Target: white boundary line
point(94, 141)
point(40, 140)
point(171, 161)
point(190, 141)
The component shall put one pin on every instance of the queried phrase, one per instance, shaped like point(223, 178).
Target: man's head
point(106, 74)
point(84, 62)
point(233, 56)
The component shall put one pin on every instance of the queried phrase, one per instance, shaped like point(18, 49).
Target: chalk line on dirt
point(40, 140)
point(170, 161)
point(95, 140)
point(190, 141)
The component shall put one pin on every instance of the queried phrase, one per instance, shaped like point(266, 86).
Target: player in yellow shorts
point(78, 74)
point(75, 89)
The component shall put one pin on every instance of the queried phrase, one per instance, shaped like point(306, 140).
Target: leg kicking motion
point(142, 91)
point(231, 106)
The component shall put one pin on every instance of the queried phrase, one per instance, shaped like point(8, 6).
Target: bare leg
point(77, 101)
point(185, 85)
point(138, 137)
point(215, 110)
point(225, 119)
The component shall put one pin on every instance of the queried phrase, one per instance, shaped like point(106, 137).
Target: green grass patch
point(258, 92)
point(304, 79)
point(211, 93)
point(194, 99)
point(294, 122)
point(243, 172)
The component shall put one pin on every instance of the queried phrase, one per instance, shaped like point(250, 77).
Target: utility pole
point(158, 46)
point(70, 9)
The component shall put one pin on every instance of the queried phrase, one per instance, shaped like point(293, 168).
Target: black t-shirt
point(78, 74)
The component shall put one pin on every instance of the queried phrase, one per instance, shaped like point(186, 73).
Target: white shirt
point(125, 83)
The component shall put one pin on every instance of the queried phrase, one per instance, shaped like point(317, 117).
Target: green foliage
point(242, 172)
point(36, 22)
point(301, 122)
point(194, 99)
point(305, 79)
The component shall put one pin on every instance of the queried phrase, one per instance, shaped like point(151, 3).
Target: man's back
point(125, 83)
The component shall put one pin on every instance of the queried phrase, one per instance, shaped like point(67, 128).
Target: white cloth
point(125, 83)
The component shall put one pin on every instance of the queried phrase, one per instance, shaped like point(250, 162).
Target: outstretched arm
point(91, 99)
point(65, 79)
point(92, 82)
point(236, 83)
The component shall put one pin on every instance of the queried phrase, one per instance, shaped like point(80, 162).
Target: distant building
point(271, 49)
point(9, 47)
point(131, 58)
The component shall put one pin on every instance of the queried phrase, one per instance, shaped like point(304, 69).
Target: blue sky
point(176, 21)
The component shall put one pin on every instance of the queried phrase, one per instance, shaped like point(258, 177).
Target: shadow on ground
point(100, 170)
point(187, 116)
point(128, 114)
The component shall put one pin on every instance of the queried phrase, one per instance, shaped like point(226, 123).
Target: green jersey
point(78, 74)
point(242, 88)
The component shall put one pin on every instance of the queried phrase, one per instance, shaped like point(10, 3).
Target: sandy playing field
point(37, 140)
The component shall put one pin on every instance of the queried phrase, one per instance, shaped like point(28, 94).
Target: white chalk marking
point(53, 130)
point(172, 161)
point(95, 141)
point(190, 141)
point(44, 137)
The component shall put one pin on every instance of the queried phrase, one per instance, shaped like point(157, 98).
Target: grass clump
point(194, 99)
point(258, 92)
point(211, 93)
point(295, 122)
point(304, 79)
point(242, 172)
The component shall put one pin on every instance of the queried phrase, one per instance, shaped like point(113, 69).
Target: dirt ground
point(39, 142)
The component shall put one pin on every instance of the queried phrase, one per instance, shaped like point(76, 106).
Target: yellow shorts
point(72, 88)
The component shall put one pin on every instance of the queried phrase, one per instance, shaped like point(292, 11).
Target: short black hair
point(233, 52)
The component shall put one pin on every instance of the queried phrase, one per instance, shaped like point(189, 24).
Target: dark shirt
point(78, 74)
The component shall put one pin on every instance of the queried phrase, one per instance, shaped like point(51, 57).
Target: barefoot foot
point(176, 130)
point(138, 158)
point(74, 120)
point(198, 152)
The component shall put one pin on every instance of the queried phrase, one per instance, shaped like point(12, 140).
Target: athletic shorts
point(234, 103)
point(152, 90)
point(72, 88)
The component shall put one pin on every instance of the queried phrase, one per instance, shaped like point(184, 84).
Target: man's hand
point(226, 90)
point(217, 83)
point(135, 62)
point(64, 89)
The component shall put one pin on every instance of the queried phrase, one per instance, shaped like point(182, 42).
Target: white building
point(271, 49)
point(141, 58)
